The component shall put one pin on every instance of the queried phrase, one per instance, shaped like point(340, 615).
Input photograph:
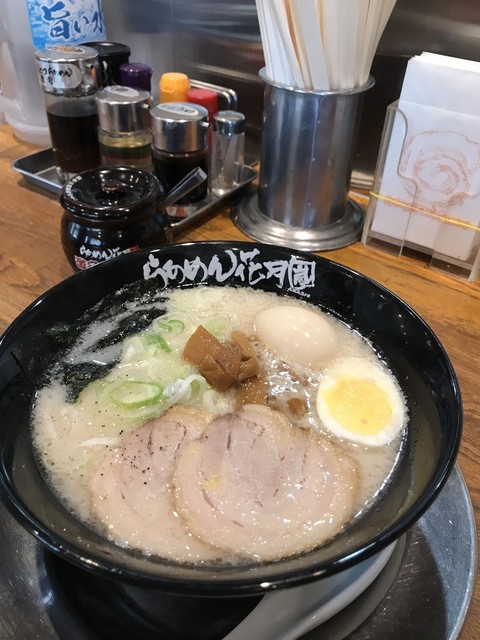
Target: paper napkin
point(432, 162)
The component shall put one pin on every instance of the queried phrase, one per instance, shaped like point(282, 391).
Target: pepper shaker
point(227, 151)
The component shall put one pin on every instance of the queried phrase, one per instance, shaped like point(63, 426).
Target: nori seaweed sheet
point(62, 338)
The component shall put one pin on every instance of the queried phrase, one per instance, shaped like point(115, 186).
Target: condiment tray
point(39, 169)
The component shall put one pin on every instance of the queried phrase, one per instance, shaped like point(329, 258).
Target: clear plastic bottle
point(227, 155)
point(21, 98)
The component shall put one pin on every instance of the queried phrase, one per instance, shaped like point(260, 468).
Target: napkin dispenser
point(426, 191)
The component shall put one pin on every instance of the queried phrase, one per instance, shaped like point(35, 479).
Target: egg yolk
point(359, 405)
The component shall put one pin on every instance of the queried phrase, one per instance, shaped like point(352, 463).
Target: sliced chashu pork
point(254, 485)
point(131, 492)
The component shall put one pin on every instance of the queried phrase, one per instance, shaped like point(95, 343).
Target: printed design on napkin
point(427, 190)
point(437, 168)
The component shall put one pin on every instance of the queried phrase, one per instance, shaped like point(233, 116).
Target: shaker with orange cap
point(174, 87)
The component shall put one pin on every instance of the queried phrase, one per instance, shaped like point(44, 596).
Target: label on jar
point(180, 109)
point(120, 91)
point(59, 75)
point(90, 257)
point(65, 21)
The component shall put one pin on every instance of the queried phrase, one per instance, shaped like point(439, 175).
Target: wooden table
point(31, 261)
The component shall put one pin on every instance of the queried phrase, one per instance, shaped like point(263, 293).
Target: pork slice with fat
point(256, 486)
point(131, 491)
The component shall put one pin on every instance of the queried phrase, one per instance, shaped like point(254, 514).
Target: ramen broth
point(73, 438)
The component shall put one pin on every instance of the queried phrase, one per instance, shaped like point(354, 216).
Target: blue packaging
point(65, 22)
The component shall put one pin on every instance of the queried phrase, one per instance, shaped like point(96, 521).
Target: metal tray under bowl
point(423, 593)
point(39, 169)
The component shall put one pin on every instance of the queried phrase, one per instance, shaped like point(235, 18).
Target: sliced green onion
point(175, 326)
point(158, 341)
point(218, 326)
point(185, 390)
point(97, 387)
point(133, 394)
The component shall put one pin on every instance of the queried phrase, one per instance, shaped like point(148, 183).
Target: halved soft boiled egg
point(359, 400)
point(297, 335)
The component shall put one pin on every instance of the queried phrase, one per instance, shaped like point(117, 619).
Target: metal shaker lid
point(179, 127)
point(68, 70)
point(229, 122)
point(122, 109)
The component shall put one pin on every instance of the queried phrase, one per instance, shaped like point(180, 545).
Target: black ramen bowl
point(37, 337)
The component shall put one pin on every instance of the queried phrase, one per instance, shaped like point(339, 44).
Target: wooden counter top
point(32, 260)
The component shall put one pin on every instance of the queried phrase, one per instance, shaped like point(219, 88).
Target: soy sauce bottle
point(180, 144)
point(69, 80)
